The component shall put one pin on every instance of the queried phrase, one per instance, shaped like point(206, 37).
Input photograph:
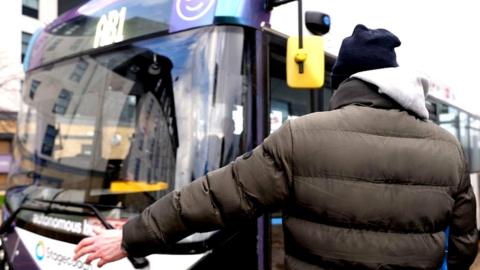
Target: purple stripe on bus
point(17, 254)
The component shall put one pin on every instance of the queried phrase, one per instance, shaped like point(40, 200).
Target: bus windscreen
point(110, 129)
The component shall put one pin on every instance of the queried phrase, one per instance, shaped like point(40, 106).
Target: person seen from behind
point(371, 184)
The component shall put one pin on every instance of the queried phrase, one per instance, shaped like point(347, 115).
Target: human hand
point(106, 245)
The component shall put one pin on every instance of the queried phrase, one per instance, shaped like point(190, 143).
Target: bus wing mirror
point(305, 66)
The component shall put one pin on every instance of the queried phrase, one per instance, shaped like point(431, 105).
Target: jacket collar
point(387, 88)
point(357, 92)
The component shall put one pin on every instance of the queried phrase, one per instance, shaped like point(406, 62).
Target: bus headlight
point(2, 254)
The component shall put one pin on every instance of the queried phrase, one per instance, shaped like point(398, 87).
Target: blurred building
point(19, 20)
point(65, 5)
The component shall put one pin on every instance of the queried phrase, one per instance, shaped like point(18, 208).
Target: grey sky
point(438, 37)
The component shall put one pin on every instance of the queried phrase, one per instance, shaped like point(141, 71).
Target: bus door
point(284, 104)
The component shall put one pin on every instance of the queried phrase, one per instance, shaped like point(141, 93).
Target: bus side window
point(474, 144)
point(285, 103)
point(288, 103)
point(432, 111)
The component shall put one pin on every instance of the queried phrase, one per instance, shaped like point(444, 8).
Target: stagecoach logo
point(58, 258)
point(191, 10)
point(40, 250)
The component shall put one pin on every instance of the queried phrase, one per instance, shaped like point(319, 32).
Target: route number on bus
point(110, 28)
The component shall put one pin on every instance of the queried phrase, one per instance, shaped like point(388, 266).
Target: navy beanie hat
point(365, 49)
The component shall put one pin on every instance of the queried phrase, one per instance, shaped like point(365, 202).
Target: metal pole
point(300, 34)
point(300, 25)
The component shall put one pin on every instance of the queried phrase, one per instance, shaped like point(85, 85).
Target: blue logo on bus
point(40, 250)
point(191, 10)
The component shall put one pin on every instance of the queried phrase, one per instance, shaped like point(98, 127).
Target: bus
point(465, 126)
point(125, 101)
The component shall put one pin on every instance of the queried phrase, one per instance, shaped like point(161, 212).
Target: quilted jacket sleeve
point(257, 181)
point(463, 238)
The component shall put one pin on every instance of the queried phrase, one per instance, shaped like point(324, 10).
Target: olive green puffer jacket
point(365, 186)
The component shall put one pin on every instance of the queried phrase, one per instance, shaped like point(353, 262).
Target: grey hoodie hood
point(406, 87)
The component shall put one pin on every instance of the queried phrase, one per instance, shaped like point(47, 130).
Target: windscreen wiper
point(137, 262)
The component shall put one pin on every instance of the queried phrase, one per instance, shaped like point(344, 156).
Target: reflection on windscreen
point(101, 23)
point(126, 127)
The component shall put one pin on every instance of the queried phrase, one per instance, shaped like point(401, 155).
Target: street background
point(438, 37)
